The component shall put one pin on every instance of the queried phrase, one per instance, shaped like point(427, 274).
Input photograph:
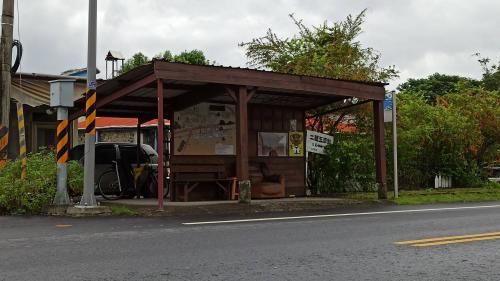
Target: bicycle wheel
point(152, 188)
point(109, 186)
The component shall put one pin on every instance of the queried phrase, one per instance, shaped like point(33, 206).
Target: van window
point(104, 154)
point(129, 155)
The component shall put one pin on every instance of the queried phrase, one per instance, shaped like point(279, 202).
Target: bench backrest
point(203, 169)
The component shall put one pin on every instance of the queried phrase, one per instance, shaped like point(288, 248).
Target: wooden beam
point(194, 97)
point(337, 109)
point(251, 94)
point(276, 81)
point(102, 101)
point(130, 114)
point(380, 161)
point(139, 99)
point(242, 134)
point(231, 93)
point(125, 108)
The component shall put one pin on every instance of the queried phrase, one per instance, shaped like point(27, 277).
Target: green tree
point(482, 108)
point(432, 140)
point(190, 57)
point(491, 73)
point(167, 55)
point(137, 59)
point(457, 136)
point(329, 50)
point(436, 85)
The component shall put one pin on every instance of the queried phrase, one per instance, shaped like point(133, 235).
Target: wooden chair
point(264, 184)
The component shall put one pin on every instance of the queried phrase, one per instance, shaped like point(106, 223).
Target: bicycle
point(110, 185)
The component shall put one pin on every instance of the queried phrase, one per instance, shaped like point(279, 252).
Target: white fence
point(442, 181)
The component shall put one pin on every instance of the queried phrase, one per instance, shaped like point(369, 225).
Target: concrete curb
point(255, 207)
point(79, 211)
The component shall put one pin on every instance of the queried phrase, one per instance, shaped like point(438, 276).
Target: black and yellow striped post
point(22, 138)
point(62, 141)
point(90, 112)
point(62, 150)
point(4, 141)
point(88, 199)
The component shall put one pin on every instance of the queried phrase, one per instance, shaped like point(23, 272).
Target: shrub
point(454, 137)
point(457, 136)
point(75, 179)
point(347, 166)
point(35, 192)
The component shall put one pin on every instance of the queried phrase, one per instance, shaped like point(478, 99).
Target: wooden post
point(244, 185)
point(159, 89)
point(242, 135)
point(380, 161)
point(138, 169)
point(138, 142)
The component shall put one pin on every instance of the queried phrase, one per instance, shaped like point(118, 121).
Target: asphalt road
point(352, 247)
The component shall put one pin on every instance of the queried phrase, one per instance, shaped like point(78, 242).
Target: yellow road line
point(447, 238)
point(456, 241)
point(63, 225)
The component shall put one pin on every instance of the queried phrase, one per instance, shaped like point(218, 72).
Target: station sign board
point(316, 142)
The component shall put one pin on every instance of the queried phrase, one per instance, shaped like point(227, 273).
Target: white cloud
point(419, 37)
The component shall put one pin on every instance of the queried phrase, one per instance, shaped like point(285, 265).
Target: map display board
point(205, 129)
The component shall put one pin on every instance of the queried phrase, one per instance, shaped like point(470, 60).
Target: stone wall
point(111, 135)
point(121, 135)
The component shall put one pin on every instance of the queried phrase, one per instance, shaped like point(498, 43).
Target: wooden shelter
point(263, 102)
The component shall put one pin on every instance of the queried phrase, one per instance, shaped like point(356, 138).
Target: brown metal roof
point(134, 93)
point(372, 83)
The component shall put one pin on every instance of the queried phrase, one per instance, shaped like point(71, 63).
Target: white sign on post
point(316, 142)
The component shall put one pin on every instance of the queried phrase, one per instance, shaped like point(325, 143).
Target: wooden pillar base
point(382, 191)
point(244, 191)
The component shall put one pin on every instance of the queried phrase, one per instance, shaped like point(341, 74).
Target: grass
point(123, 211)
point(432, 196)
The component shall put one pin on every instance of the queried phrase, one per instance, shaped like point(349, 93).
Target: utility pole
point(6, 62)
point(88, 198)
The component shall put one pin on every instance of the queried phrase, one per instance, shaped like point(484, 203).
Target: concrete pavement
point(357, 247)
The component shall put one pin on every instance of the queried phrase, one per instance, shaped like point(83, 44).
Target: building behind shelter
point(123, 130)
point(32, 90)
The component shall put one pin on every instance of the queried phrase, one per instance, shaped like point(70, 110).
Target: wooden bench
point(190, 175)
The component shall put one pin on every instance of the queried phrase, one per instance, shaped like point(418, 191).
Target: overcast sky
point(419, 37)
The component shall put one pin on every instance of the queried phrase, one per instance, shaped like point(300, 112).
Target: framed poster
point(272, 144)
point(295, 144)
